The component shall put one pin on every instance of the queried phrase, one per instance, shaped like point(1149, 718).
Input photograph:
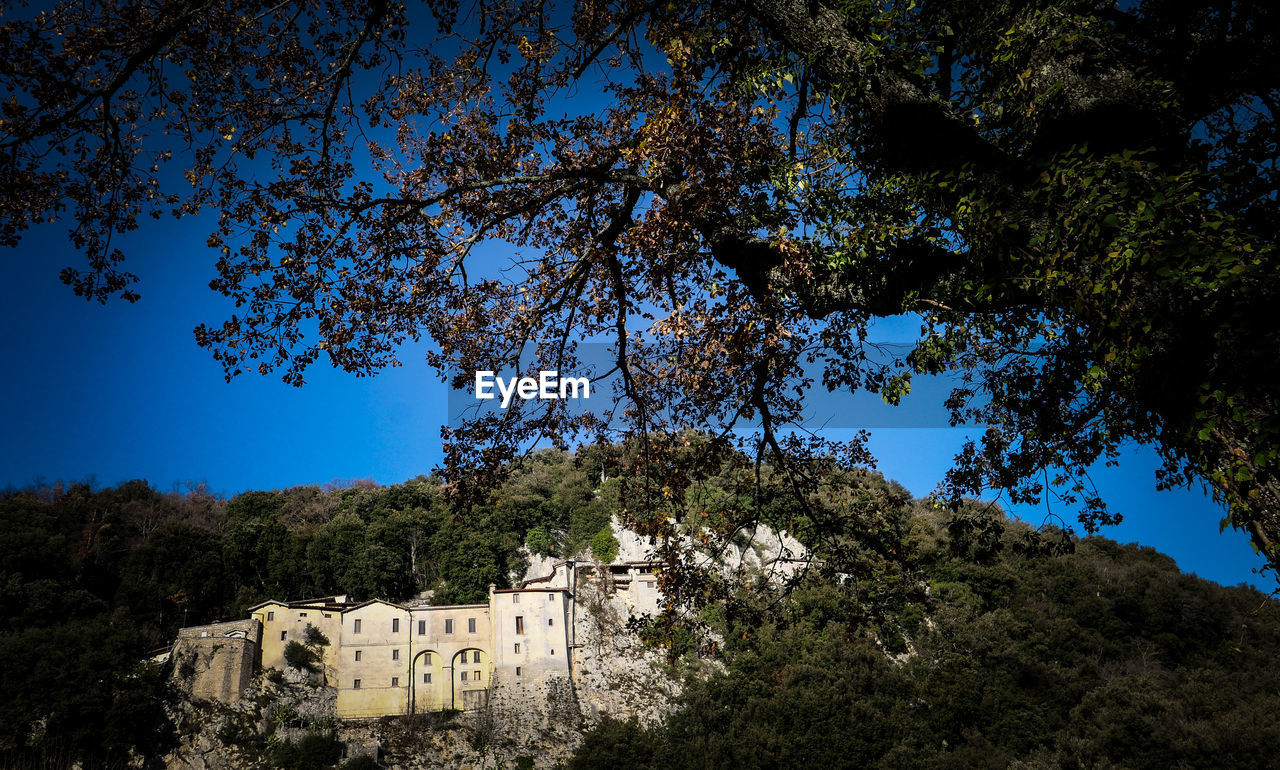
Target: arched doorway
point(471, 671)
point(429, 686)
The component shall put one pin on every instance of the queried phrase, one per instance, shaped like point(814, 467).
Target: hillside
point(918, 638)
point(1104, 657)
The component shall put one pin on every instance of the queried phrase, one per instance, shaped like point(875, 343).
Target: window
point(551, 597)
point(355, 626)
point(426, 679)
point(475, 675)
point(551, 622)
point(517, 671)
point(395, 625)
point(395, 681)
point(471, 625)
point(422, 628)
point(328, 614)
point(517, 648)
point(271, 615)
point(283, 634)
point(515, 598)
point(428, 660)
point(448, 625)
point(356, 685)
point(357, 656)
point(464, 676)
point(553, 652)
point(302, 614)
point(395, 655)
point(475, 657)
point(519, 624)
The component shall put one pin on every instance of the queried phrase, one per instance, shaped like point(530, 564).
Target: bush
point(539, 542)
point(360, 763)
point(298, 655)
point(604, 545)
point(615, 744)
point(315, 750)
point(314, 637)
point(232, 733)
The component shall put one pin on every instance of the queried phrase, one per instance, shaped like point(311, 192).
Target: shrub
point(539, 541)
point(230, 733)
point(298, 655)
point(604, 545)
point(314, 637)
point(615, 744)
point(317, 750)
point(314, 750)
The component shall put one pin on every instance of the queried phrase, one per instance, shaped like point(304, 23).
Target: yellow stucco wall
point(282, 624)
point(387, 659)
point(531, 634)
point(373, 661)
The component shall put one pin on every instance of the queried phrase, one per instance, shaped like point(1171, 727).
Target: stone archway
point(471, 670)
point(428, 683)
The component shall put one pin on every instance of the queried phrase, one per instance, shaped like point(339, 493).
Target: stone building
point(217, 661)
point(387, 658)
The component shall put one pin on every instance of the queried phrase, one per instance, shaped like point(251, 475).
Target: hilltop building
point(388, 658)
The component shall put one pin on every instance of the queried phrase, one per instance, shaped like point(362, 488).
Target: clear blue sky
point(122, 391)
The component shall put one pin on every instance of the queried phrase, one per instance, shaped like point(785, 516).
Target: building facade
point(387, 658)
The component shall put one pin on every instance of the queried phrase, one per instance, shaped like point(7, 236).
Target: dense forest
point(94, 579)
point(927, 638)
point(1104, 657)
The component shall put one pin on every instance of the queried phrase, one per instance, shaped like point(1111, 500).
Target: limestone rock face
point(292, 706)
point(615, 673)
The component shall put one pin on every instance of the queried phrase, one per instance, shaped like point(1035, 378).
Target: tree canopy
point(1103, 656)
point(1076, 199)
point(923, 637)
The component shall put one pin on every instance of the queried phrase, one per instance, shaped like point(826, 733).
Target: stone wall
point(217, 661)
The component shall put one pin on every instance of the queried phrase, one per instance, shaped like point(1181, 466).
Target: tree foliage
point(314, 637)
point(604, 545)
point(912, 625)
point(1103, 656)
point(1075, 199)
point(299, 656)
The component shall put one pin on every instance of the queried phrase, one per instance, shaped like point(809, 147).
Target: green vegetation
point(299, 656)
point(920, 638)
point(1104, 655)
point(96, 579)
point(313, 750)
point(604, 545)
point(314, 637)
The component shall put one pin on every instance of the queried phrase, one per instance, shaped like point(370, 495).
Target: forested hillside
point(1108, 656)
point(94, 579)
point(918, 638)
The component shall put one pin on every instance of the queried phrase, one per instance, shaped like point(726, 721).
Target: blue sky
point(121, 391)
point(118, 392)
